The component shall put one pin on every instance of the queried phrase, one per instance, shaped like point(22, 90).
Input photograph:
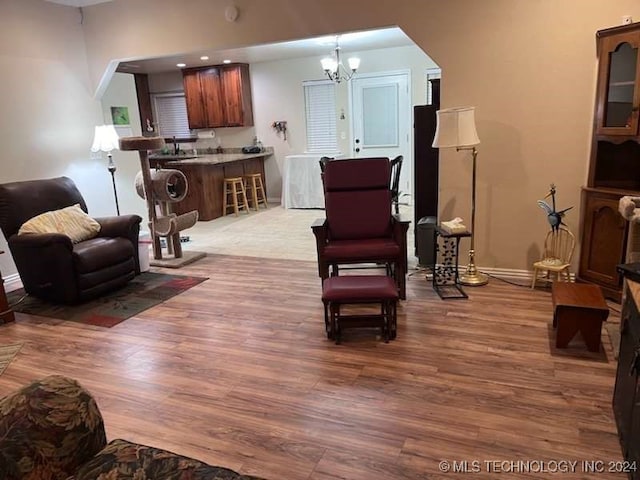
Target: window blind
point(320, 110)
point(171, 115)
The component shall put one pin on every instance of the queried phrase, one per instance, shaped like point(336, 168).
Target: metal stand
point(446, 281)
point(112, 170)
point(472, 277)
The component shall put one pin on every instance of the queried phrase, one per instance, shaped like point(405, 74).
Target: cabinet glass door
point(618, 105)
point(622, 69)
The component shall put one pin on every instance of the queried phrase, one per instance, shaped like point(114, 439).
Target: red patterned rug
point(143, 292)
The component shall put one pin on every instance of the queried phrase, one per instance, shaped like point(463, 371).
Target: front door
point(381, 121)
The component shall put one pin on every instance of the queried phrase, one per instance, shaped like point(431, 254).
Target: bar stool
point(253, 183)
point(234, 187)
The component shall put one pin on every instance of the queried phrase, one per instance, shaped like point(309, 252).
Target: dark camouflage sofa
point(53, 430)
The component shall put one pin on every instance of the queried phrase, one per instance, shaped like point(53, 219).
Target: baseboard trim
point(506, 273)
point(510, 273)
point(12, 282)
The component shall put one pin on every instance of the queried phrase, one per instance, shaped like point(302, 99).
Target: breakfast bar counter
point(205, 175)
point(204, 159)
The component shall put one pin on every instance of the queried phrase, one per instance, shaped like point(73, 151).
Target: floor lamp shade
point(105, 139)
point(456, 128)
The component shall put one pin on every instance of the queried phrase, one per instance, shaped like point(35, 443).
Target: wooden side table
point(446, 281)
point(578, 307)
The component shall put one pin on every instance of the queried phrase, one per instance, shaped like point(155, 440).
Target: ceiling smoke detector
point(231, 13)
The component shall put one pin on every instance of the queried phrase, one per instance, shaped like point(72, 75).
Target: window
point(171, 115)
point(320, 108)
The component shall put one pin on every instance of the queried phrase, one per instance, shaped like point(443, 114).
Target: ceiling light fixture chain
point(335, 70)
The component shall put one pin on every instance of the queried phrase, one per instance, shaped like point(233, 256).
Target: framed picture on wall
point(120, 115)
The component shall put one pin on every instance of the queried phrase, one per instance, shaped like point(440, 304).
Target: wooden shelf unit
point(615, 155)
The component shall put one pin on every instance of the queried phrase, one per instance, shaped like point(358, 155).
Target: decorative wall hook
point(280, 127)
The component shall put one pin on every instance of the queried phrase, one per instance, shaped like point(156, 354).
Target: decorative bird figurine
point(554, 217)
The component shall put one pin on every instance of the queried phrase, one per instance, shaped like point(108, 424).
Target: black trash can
point(425, 236)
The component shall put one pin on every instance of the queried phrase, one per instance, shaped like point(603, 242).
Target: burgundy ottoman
point(355, 289)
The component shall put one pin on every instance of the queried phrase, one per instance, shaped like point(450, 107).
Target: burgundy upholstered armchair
point(359, 227)
point(50, 265)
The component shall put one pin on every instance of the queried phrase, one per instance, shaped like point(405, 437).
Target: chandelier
point(335, 70)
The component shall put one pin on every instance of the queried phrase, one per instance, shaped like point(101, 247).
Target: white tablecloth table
point(301, 181)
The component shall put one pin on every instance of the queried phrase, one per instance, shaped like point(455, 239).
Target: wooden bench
point(360, 289)
point(578, 307)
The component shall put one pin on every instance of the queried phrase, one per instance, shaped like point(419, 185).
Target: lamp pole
point(472, 276)
point(112, 170)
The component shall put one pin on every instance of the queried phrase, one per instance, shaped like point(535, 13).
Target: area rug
point(144, 291)
point(7, 353)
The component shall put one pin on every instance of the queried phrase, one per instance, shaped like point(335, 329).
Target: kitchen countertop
point(208, 159)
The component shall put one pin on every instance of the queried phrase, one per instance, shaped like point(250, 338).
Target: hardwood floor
point(237, 372)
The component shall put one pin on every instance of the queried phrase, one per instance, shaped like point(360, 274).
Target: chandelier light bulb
point(335, 70)
point(328, 64)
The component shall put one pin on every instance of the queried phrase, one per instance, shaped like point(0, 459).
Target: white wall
point(122, 93)
point(48, 110)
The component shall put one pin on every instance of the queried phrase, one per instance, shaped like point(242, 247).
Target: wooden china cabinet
point(614, 169)
point(218, 96)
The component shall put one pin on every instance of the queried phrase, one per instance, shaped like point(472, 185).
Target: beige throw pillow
point(70, 221)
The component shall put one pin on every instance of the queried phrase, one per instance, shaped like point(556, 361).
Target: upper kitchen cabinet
point(203, 95)
point(618, 95)
point(218, 96)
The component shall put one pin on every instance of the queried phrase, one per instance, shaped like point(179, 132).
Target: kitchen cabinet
point(218, 96)
point(615, 154)
point(205, 176)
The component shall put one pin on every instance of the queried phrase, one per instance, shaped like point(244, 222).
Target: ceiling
point(318, 46)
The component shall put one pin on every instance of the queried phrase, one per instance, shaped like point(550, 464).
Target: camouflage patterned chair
point(53, 430)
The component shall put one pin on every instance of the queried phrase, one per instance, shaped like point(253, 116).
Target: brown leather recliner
point(53, 268)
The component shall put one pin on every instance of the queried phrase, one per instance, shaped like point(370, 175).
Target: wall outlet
point(626, 19)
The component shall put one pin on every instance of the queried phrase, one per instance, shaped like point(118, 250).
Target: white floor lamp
point(106, 140)
point(456, 127)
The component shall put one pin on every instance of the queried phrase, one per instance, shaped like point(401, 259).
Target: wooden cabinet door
point(618, 95)
point(603, 240)
point(210, 83)
point(236, 88)
point(232, 88)
point(196, 113)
